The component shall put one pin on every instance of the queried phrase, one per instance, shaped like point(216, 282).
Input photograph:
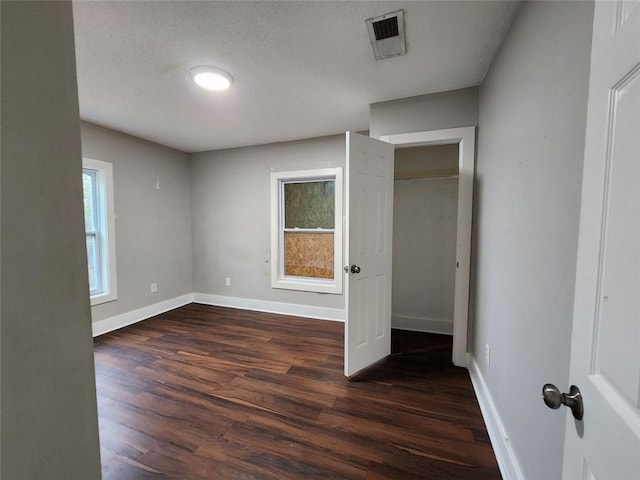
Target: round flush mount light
point(211, 78)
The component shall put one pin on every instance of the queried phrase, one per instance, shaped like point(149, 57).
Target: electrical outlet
point(154, 287)
point(227, 281)
point(487, 354)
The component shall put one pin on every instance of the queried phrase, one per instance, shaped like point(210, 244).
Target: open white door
point(605, 355)
point(368, 237)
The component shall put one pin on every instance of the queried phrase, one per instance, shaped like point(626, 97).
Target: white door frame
point(465, 138)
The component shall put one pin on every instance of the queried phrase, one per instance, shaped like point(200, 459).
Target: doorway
point(464, 138)
point(425, 208)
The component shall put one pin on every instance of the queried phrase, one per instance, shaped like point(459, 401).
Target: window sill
point(308, 285)
point(103, 298)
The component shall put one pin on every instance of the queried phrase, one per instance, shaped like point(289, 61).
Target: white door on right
point(605, 355)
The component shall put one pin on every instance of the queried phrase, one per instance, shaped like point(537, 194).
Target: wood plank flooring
point(215, 393)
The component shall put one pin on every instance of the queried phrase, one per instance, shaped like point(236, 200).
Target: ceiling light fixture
point(211, 78)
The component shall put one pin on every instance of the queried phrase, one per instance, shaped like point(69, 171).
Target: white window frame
point(106, 232)
point(307, 284)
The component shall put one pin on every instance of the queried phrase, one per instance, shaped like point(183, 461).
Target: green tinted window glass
point(309, 204)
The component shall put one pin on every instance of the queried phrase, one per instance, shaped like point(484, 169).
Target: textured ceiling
point(301, 69)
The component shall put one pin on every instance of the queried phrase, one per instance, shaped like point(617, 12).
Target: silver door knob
point(355, 269)
point(553, 399)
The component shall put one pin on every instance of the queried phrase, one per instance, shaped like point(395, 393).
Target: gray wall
point(533, 107)
point(49, 417)
point(456, 108)
point(231, 216)
point(424, 239)
point(153, 226)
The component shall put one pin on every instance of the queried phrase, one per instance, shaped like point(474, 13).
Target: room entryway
point(425, 209)
point(464, 140)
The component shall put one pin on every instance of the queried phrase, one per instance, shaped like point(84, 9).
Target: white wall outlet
point(227, 281)
point(154, 287)
point(487, 354)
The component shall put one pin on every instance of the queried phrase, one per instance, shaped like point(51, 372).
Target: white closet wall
point(424, 238)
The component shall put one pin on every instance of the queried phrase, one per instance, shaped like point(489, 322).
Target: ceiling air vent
point(387, 35)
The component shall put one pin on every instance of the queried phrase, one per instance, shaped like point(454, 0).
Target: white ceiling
point(301, 69)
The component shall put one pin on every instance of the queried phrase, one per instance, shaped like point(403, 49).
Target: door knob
point(553, 399)
point(355, 269)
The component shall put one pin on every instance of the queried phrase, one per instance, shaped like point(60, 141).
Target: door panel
point(369, 210)
point(605, 357)
point(617, 308)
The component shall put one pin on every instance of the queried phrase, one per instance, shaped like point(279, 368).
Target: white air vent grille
point(387, 35)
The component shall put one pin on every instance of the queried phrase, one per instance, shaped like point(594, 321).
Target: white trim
point(128, 318)
point(107, 231)
point(321, 313)
point(446, 136)
point(113, 323)
point(422, 324)
point(505, 455)
point(278, 279)
point(465, 138)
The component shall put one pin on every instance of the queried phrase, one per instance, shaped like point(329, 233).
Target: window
point(97, 185)
point(306, 230)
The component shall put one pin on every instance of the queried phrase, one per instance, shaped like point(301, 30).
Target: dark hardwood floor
point(215, 393)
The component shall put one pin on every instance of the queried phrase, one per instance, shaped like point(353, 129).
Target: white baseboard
point(422, 324)
point(113, 323)
point(322, 313)
point(506, 457)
